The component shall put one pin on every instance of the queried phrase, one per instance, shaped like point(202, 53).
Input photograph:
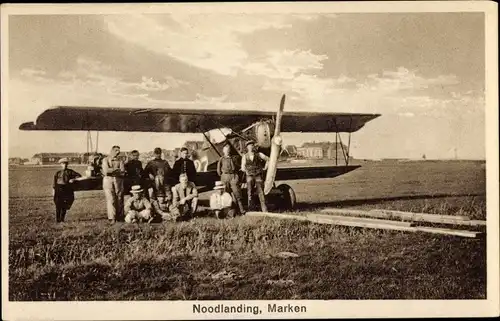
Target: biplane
point(218, 127)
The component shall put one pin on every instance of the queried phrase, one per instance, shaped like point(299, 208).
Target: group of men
point(173, 194)
point(159, 191)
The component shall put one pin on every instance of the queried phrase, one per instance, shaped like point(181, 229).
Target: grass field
point(85, 258)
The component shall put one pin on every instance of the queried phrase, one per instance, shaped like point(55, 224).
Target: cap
point(63, 160)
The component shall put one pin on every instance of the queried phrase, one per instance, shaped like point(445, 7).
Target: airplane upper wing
point(187, 120)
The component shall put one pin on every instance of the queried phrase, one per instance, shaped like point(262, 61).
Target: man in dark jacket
point(158, 170)
point(63, 190)
point(185, 166)
point(133, 172)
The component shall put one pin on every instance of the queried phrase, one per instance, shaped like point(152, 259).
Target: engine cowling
point(263, 133)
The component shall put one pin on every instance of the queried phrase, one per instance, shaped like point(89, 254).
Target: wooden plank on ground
point(351, 212)
point(277, 215)
point(420, 215)
point(417, 217)
point(359, 219)
point(447, 231)
point(432, 218)
point(350, 223)
point(462, 233)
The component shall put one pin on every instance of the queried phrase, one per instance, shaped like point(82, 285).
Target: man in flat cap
point(133, 171)
point(62, 189)
point(164, 207)
point(228, 170)
point(184, 165)
point(159, 172)
point(253, 164)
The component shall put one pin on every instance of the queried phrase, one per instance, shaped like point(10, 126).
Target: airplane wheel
point(288, 197)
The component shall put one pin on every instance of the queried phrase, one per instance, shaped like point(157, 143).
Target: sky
point(424, 72)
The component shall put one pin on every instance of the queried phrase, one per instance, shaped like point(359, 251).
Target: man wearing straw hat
point(62, 189)
point(138, 208)
point(221, 202)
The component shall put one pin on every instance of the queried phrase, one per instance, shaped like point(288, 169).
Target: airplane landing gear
point(287, 199)
point(280, 198)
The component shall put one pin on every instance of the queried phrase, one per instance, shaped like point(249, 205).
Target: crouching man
point(185, 197)
point(164, 208)
point(138, 208)
point(221, 202)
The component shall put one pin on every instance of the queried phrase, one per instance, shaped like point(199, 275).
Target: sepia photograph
point(273, 160)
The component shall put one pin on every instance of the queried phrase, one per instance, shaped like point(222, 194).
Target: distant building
point(321, 150)
point(53, 158)
point(310, 152)
point(16, 161)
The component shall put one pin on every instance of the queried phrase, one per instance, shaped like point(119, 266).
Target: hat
point(219, 185)
point(250, 142)
point(136, 189)
point(63, 160)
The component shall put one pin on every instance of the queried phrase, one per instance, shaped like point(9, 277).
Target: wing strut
point(337, 135)
point(208, 140)
point(349, 143)
point(97, 142)
point(220, 126)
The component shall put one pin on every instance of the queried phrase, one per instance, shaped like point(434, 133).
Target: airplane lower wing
point(206, 180)
point(308, 172)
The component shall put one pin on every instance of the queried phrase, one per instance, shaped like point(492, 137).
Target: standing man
point(185, 197)
point(227, 168)
point(62, 191)
point(158, 170)
point(133, 171)
point(185, 166)
point(253, 164)
point(113, 170)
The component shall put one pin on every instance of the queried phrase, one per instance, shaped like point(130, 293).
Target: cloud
point(204, 41)
point(285, 64)
point(149, 84)
point(90, 73)
point(296, 72)
point(400, 92)
point(404, 79)
point(34, 75)
point(203, 98)
point(312, 17)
